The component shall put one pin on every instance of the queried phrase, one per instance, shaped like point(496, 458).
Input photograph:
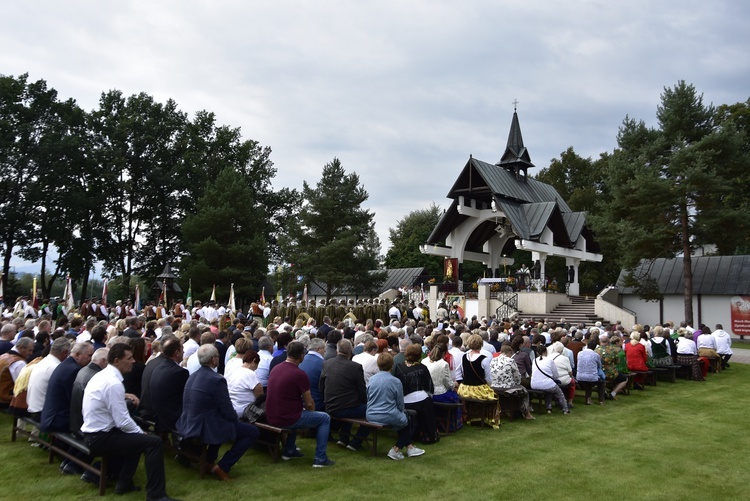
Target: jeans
point(359, 412)
point(309, 420)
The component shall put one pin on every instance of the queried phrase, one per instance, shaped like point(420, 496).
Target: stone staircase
point(580, 310)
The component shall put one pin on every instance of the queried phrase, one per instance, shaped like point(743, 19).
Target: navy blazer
point(207, 411)
point(56, 410)
point(166, 386)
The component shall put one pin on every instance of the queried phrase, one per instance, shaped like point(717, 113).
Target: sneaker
point(395, 455)
point(293, 455)
point(414, 452)
point(322, 464)
point(354, 448)
point(341, 443)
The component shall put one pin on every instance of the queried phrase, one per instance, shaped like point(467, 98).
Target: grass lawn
point(679, 441)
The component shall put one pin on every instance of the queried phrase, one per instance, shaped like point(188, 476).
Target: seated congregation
point(116, 390)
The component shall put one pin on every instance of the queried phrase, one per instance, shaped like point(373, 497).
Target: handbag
point(255, 410)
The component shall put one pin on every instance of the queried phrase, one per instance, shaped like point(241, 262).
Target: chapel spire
point(516, 158)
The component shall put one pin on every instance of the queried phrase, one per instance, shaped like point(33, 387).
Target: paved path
point(740, 356)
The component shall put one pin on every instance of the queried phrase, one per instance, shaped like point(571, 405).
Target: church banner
point(740, 311)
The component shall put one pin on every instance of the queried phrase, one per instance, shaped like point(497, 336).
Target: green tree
point(226, 238)
point(326, 242)
point(669, 186)
point(408, 236)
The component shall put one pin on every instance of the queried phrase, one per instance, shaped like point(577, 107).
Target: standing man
point(288, 387)
point(109, 429)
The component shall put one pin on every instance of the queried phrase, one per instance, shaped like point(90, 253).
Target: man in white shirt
point(723, 345)
point(39, 379)
point(191, 345)
point(394, 313)
point(368, 359)
point(109, 429)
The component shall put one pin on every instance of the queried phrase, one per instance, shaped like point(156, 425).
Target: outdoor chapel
point(416, 371)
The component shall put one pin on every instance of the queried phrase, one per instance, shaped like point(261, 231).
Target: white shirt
point(193, 364)
point(706, 341)
point(457, 373)
point(232, 365)
point(83, 337)
point(541, 372)
point(394, 312)
point(723, 342)
point(369, 365)
point(190, 347)
point(104, 404)
point(263, 366)
point(686, 346)
point(38, 382)
point(210, 313)
point(16, 367)
point(241, 385)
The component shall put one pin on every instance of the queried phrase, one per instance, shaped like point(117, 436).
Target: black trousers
point(129, 447)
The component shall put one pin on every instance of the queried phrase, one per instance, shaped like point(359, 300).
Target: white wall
point(709, 310)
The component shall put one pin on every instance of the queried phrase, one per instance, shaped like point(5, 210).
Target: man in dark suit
point(56, 410)
point(221, 346)
point(323, 329)
point(166, 386)
point(208, 414)
point(145, 408)
point(342, 383)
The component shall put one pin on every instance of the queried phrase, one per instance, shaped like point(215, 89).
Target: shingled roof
point(395, 278)
point(712, 275)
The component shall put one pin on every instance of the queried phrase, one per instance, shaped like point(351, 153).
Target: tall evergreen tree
point(226, 238)
point(668, 186)
point(325, 242)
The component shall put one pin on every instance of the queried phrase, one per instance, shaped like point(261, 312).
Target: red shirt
point(286, 384)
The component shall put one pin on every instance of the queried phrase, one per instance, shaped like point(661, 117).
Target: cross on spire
point(515, 104)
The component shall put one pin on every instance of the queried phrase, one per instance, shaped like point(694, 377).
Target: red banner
point(740, 311)
point(450, 269)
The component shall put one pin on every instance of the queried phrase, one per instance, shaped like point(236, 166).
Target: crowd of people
point(209, 378)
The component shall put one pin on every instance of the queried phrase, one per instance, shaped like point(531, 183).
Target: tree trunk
point(687, 263)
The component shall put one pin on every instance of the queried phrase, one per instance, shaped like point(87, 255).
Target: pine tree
point(326, 242)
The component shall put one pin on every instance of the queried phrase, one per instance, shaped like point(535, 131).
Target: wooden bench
point(273, 438)
point(372, 438)
point(445, 414)
point(649, 377)
point(474, 409)
point(538, 395)
point(19, 428)
point(510, 402)
point(59, 444)
point(669, 372)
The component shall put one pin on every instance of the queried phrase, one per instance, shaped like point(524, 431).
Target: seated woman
point(522, 359)
point(610, 359)
point(544, 377)
point(132, 379)
point(658, 348)
point(240, 348)
point(590, 371)
point(243, 385)
point(418, 389)
point(564, 371)
point(505, 376)
point(475, 384)
point(440, 373)
point(635, 353)
point(385, 405)
point(687, 354)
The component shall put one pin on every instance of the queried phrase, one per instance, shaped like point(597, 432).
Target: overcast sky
point(402, 92)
